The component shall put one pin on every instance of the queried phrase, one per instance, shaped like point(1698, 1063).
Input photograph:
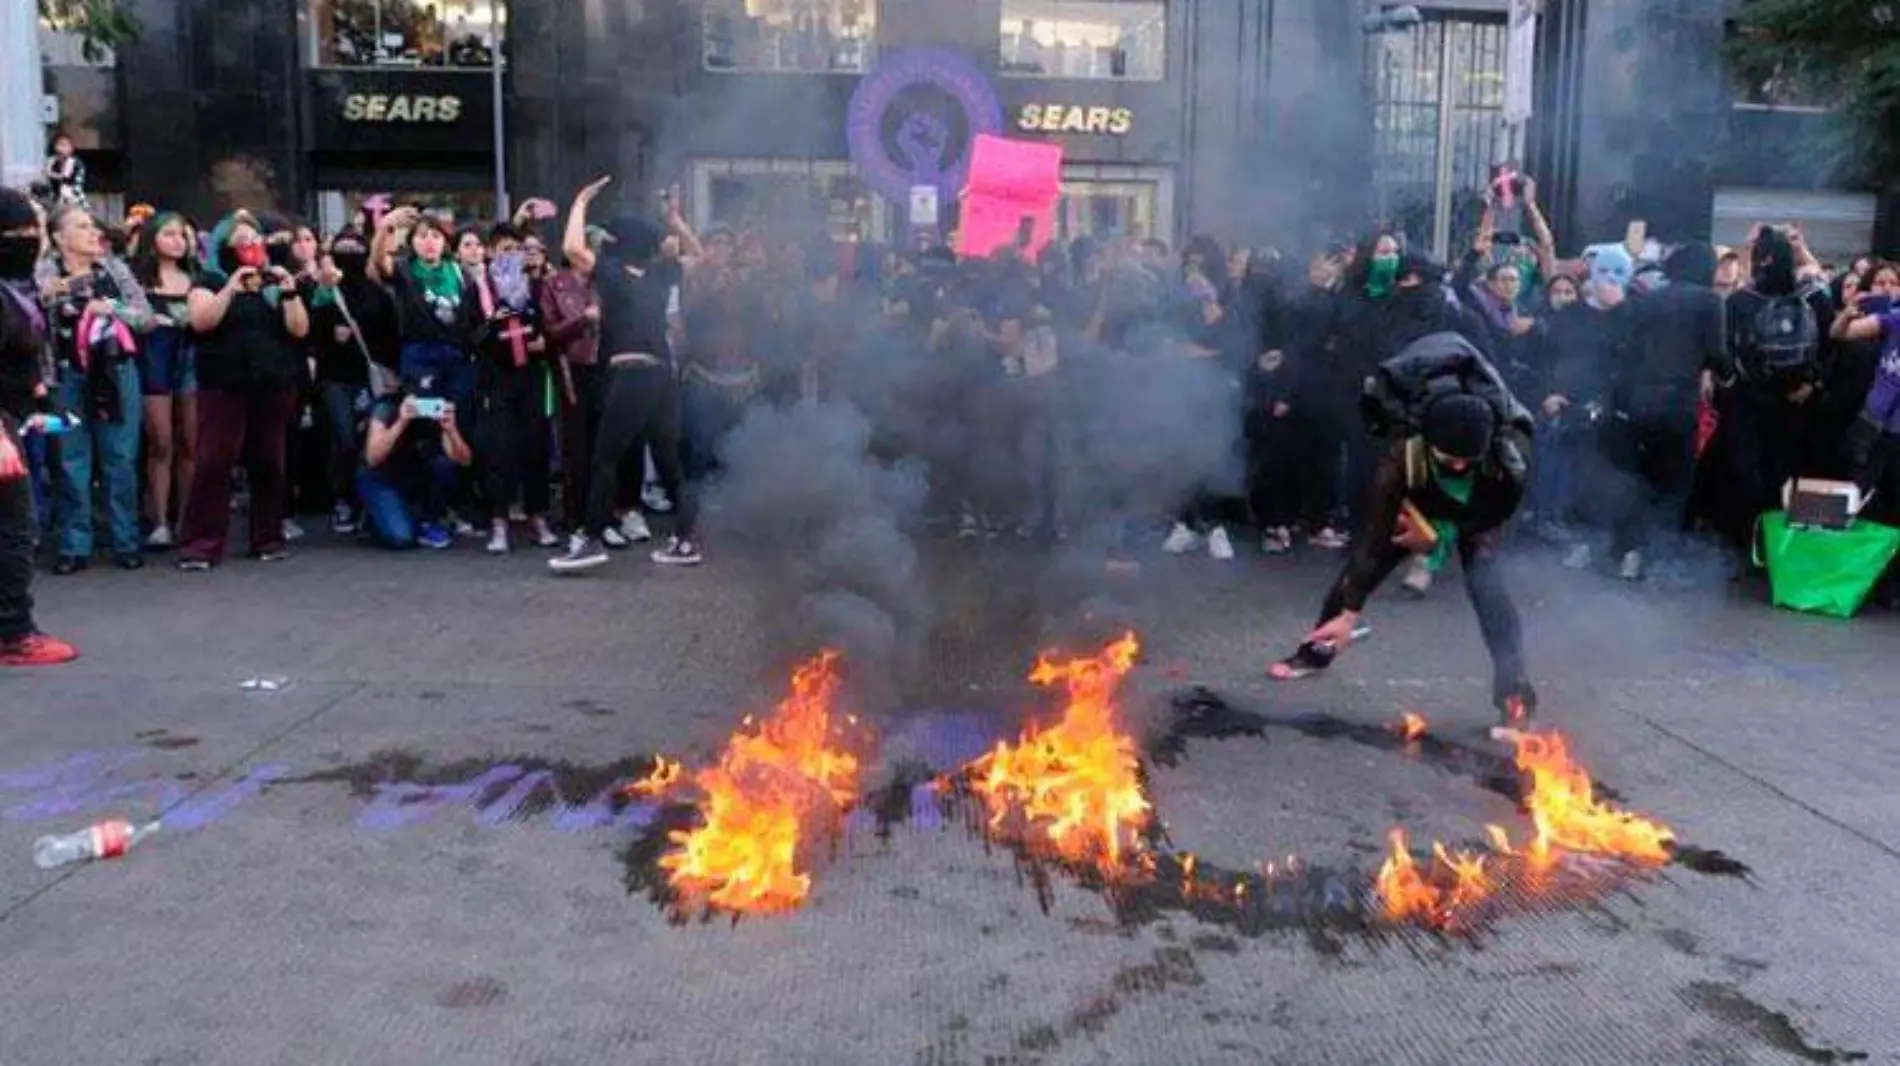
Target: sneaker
point(434, 537)
point(678, 553)
point(517, 513)
point(1219, 545)
point(633, 526)
point(160, 539)
point(36, 649)
point(1330, 539)
point(275, 554)
point(614, 539)
point(968, 528)
point(292, 531)
point(194, 566)
point(1515, 712)
point(1181, 540)
point(583, 553)
point(543, 534)
point(464, 528)
point(1631, 566)
point(343, 519)
point(1418, 576)
point(1578, 557)
point(128, 561)
point(67, 565)
point(498, 539)
point(655, 499)
point(1276, 541)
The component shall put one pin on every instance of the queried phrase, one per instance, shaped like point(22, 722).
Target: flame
point(776, 779)
point(1404, 891)
point(1074, 787)
point(1566, 814)
point(665, 774)
point(1411, 726)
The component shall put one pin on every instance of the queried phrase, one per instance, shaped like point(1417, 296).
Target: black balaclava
point(635, 240)
point(18, 254)
point(1461, 425)
point(1693, 263)
point(1774, 271)
point(352, 264)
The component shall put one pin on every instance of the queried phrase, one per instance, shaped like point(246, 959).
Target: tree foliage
point(1844, 54)
point(102, 25)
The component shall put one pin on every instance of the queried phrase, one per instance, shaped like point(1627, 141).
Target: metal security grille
point(1438, 100)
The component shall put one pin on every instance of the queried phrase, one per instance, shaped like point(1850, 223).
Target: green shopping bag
point(1823, 571)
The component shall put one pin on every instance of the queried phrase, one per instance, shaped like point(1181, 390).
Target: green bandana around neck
point(443, 281)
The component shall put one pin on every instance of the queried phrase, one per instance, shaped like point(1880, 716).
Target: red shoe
point(36, 649)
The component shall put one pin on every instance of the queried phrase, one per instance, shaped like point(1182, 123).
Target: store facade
point(1264, 120)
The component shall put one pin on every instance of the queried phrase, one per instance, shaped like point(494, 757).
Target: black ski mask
point(18, 252)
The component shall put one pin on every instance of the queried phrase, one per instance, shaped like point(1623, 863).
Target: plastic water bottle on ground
point(106, 840)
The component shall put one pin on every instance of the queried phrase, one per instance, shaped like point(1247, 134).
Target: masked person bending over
point(1458, 472)
point(414, 454)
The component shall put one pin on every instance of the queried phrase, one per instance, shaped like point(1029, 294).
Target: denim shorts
point(168, 363)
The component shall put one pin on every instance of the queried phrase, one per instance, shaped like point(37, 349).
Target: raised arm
point(580, 257)
point(691, 251)
point(382, 247)
point(1540, 229)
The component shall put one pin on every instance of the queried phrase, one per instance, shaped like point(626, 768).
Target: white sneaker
point(678, 553)
point(1631, 568)
point(160, 538)
point(654, 497)
point(462, 527)
point(1418, 576)
point(1276, 541)
point(498, 540)
point(292, 531)
point(517, 513)
point(1578, 558)
point(1182, 540)
point(543, 534)
point(1219, 545)
point(633, 526)
point(583, 553)
point(1330, 539)
point(612, 538)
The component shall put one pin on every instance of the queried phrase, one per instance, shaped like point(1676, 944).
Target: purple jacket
point(1883, 399)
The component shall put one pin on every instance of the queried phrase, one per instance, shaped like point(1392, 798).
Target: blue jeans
point(115, 448)
point(1555, 459)
point(343, 408)
point(388, 512)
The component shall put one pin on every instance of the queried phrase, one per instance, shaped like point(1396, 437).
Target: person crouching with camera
point(414, 455)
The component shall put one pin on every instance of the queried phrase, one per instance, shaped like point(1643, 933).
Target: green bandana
point(1456, 486)
point(442, 282)
point(1382, 277)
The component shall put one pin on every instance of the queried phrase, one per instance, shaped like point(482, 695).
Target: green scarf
point(443, 281)
point(1382, 276)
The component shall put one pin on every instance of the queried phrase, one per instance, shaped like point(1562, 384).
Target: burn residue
point(644, 876)
point(164, 741)
point(1202, 714)
point(1771, 1027)
point(563, 782)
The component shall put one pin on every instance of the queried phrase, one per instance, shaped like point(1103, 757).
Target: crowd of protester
point(423, 377)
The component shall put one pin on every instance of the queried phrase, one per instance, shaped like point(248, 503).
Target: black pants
point(1651, 464)
point(1277, 471)
point(1484, 582)
point(642, 410)
point(1760, 444)
point(580, 428)
point(16, 548)
point(516, 433)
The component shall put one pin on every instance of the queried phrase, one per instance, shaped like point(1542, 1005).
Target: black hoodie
point(1675, 333)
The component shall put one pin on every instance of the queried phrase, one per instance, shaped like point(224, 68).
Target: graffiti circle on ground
point(912, 122)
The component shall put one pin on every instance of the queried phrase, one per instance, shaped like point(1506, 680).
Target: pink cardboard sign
point(1012, 184)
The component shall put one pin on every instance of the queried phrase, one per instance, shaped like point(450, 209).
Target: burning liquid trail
point(779, 784)
point(1074, 788)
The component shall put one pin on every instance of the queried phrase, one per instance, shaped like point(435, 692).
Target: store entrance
point(1107, 202)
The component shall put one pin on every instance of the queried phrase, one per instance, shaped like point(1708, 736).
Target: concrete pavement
point(362, 866)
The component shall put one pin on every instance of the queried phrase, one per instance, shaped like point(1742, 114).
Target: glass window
point(61, 43)
point(1125, 39)
point(786, 195)
point(794, 36)
point(405, 33)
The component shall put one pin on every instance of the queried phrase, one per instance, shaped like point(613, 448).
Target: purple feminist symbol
point(922, 137)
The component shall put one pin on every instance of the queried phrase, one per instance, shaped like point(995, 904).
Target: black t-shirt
point(250, 350)
point(415, 451)
point(20, 340)
point(633, 310)
point(426, 319)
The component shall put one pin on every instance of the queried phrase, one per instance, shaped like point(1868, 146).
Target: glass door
point(1438, 121)
point(1106, 201)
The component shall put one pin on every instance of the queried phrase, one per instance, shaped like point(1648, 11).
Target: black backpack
point(1403, 387)
point(1786, 336)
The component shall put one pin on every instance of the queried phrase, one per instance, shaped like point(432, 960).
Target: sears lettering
point(378, 107)
point(1070, 118)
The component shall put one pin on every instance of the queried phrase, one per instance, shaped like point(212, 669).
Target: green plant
point(102, 25)
point(1844, 53)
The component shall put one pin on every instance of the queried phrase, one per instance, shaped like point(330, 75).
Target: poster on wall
point(1010, 197)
